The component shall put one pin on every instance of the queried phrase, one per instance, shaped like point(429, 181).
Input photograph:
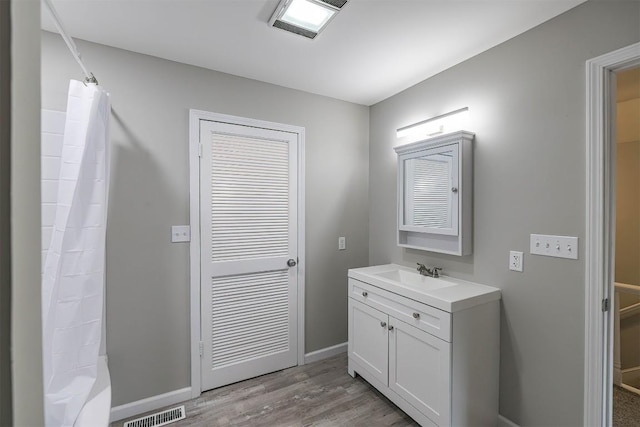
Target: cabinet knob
point(416, 315)
point(454, 189)
point(383, 324)
point(365, 293)
point(390, 328)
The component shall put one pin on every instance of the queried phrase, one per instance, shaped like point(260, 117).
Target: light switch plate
point(342, 243)
point(180, 233)
point(554, 246)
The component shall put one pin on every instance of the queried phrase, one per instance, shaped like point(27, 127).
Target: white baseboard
point(325, 353)
point(150, 404)
point(506, 422)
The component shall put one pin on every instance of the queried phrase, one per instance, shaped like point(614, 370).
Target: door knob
point(292, 262)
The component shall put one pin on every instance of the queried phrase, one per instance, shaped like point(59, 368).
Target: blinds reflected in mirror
point(428, 201)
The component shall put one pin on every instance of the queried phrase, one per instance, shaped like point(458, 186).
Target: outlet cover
point(515, 261)
point(342, 243)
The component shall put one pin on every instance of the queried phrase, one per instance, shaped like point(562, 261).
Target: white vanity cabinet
point(439, 366)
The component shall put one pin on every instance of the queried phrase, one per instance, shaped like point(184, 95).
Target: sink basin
point(446, 293)
point(409, 278)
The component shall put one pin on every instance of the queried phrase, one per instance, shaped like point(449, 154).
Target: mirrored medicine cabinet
point(435, 194)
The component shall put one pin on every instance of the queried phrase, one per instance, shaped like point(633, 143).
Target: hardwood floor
point(318, 394)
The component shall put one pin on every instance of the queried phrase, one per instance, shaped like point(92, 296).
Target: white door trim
point(600, 233)
point(194, 219)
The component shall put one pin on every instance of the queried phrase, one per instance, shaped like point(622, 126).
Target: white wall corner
point(138, 407)
point(325, 353)
point(506, 422)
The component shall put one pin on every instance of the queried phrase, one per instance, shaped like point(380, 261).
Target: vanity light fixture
point(445, 123)
point(305, 17)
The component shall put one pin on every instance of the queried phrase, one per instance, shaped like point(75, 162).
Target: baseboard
point(506, 422)
point(325, 353)
point(150, 404)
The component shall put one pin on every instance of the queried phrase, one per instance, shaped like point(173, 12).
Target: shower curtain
point(74, 272)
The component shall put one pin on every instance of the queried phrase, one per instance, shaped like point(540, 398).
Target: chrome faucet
point(422, 269)
point(428, 271)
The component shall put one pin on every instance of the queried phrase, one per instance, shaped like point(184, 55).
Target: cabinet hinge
point(605, 304)
point(199, 150)
point(201, 348)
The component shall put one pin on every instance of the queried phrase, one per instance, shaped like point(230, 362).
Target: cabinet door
point(420, 370)
point(430, 190)
point(369, 339)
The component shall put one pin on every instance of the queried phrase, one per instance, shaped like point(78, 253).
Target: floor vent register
point(158, 419)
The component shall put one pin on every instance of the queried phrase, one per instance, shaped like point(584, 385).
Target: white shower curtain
point(73, 280)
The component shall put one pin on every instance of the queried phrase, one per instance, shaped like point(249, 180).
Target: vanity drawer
point(429, 319)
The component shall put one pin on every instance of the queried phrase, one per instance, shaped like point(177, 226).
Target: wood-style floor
point(317, 394)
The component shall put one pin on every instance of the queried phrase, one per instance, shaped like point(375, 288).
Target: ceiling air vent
point(158, 419)
point(305, 17)
point(335, 3)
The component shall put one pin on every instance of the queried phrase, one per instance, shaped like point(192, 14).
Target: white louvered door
point(248, 214)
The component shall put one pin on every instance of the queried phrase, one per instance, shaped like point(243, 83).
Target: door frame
point(195, 116)
point(600, 231)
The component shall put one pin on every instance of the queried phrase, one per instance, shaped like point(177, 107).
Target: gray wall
point(5, 223)
point(147, 276)
point(527, 105)
point(26, 334)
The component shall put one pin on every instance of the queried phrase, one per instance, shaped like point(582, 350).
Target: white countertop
point(446, 293)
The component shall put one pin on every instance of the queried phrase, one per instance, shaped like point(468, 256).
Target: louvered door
point(248, 189)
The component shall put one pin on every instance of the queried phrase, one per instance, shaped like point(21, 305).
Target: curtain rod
point(89, 77)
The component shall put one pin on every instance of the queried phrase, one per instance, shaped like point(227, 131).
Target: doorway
point(247, 248)
point(600, 232)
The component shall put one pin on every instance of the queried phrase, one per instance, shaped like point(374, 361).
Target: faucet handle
point(435, 271)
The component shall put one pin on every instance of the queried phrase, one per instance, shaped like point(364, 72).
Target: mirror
point(429, 190)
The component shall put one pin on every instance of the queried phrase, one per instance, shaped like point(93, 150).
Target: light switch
point(554, 246)
point(180, 233)
point(342, 243)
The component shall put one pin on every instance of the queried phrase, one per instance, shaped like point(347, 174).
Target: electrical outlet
point(342, 243)
point(515, 261)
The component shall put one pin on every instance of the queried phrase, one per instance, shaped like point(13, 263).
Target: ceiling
point(373, 49)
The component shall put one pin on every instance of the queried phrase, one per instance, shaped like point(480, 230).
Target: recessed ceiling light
point(305, 17)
